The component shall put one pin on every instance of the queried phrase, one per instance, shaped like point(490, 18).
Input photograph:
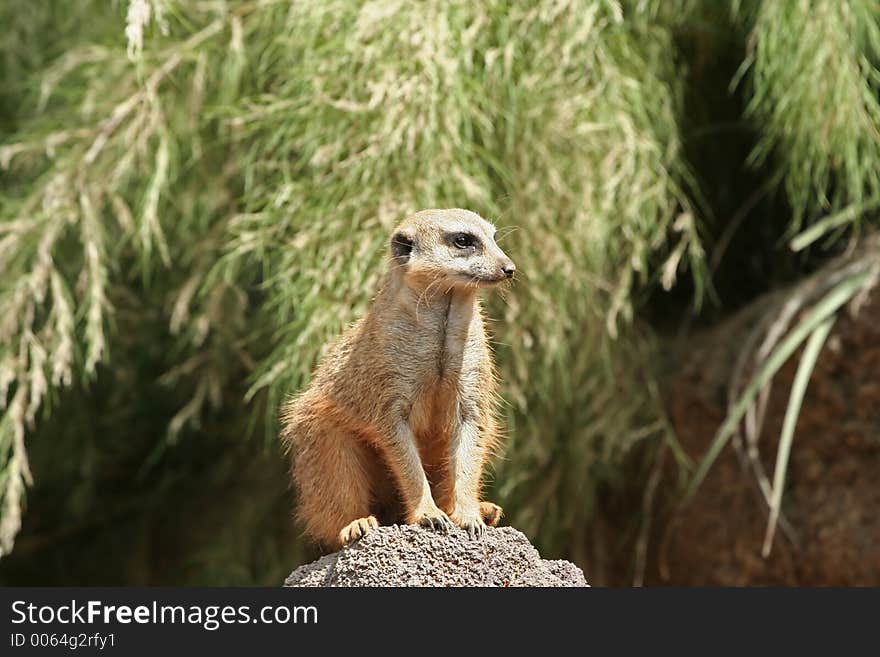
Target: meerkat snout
point(449, 248)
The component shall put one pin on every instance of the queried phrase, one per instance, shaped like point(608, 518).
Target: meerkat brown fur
point(399, 420)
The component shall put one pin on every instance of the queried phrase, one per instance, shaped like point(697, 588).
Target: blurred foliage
point(196, 196)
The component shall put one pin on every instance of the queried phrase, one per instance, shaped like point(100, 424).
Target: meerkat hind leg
point(491, 513)
point(334, 480)
point(357, 529)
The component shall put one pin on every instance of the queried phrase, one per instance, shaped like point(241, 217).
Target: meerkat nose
point(509, 269)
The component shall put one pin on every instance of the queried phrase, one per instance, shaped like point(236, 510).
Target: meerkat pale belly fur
point(399, 420)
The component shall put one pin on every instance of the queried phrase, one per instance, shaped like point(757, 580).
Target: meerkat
point(399, 420)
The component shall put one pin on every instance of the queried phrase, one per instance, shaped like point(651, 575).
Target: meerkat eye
point(464, 241)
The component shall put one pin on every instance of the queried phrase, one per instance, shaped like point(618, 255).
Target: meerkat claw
point(476, 530)
point(440, 523)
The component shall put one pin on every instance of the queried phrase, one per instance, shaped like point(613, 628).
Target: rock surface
point(412, 556)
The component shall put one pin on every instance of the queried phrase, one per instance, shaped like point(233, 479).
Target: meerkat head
point(452, 248)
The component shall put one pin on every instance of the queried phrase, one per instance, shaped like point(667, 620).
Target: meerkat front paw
point(470, 521)
point(357, 529)
point(434, 519)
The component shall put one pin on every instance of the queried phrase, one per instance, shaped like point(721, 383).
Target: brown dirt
point(832, 492)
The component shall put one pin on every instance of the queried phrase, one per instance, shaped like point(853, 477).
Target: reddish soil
point(832, 492)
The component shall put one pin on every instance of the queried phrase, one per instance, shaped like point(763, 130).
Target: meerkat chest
point(447, 371)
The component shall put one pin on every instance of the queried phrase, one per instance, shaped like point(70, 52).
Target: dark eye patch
point(464, 240)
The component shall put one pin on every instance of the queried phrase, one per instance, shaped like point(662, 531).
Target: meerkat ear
point(401, 247)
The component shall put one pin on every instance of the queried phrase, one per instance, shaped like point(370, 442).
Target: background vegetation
point(195, 197)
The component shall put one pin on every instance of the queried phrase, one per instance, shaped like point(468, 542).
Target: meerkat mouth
point(480, 281)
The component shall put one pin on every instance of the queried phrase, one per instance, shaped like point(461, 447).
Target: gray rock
point(412, 556)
